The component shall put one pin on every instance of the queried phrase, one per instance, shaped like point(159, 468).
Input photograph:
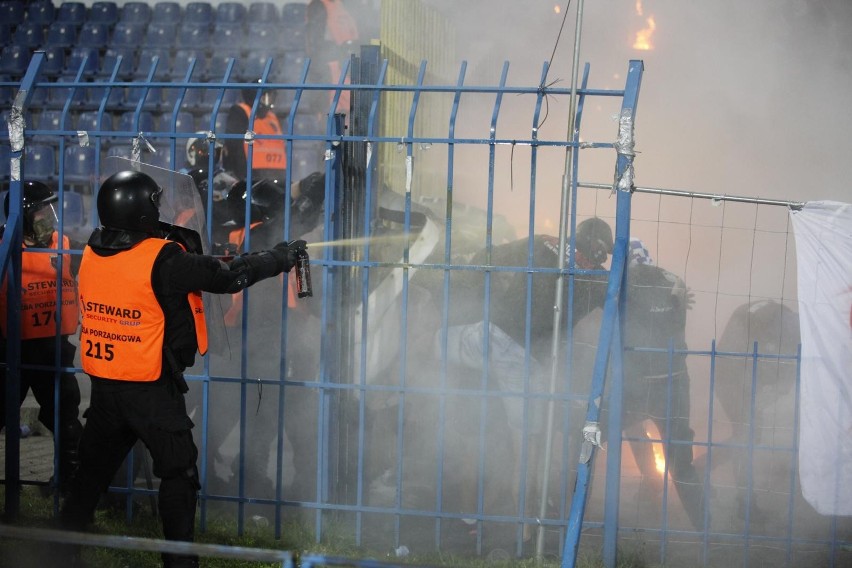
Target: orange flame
point(643, 36)
point(657, 448)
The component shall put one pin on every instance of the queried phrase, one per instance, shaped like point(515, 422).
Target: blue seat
point(292, 39)
point(123, 150)
point(12, 12)
point(182, 60)
point(253, 65)
point(229, 98)
point(5, 33)
point(166, 12)
point(183, 122)
point(59, 93)
point(193, 35)
point(54, 61)
point(51, 122)
point(292, 68)
point(85, 57)
point(294, 14)
point(135, 12)
point(230, 13)
point(73, 210)
point(198, 13)
point(93, 34)
point(79, 165)
point(92, 121)
point(146, 62)
point(127, 34)
point(217, 64)
point(229, 34)
point(61, 34)
point(104, 12)
point(160, 34)
point(152, 98)
point(305, 161)
point(74, 13)
point(162, 155)
point(39, 162)
point(127, 122)
point(29, 34)
point(262, 12)
point(14, 60)
point(203, 121)
point(124, 69)
point(41, 12)
point(261, 36)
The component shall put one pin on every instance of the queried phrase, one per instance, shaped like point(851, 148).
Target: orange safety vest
point(340, 26)
point(39, 296)
point(121, 337)
point(268, 154)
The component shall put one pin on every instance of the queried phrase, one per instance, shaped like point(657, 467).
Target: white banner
point(823, 232)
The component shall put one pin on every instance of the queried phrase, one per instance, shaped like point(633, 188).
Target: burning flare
point(643, 36)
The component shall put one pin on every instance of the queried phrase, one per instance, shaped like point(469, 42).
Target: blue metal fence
point(347, 412)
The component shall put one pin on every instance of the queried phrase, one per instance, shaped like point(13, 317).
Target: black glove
point(287, 253)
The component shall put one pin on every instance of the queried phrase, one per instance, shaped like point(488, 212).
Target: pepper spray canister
point(303, 274)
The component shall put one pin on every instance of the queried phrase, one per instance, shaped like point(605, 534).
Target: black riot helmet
point(267, 99)
point(130, 201)
point(37, 197)
point(267, 201)
point(594, 240)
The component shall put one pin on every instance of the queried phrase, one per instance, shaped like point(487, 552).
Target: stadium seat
point(29, 34)
point(200, 13)
point(261, 36)
point(92, 121)
point(93, 34)
point(87, 57)
point(110, 60)
point(127, 34)
point(135, 12)
point(54, 61)
point(14, 60)
point(104, 12)
point(160, 35)
point(162, 155)
point(122, 150)
point(305, 160)
point(5, 34)
point(230, 13)
point(193, 35)
point(217, 64)
point(229, 34)
point(61, 34)
point(294, 14)
point(228, 98)
point(79, 166)
point(292, 68)
point(7, 95)
point(254, 65)
point(183, 122)
point(262, 12)
point(41, 12)
point(12, 12)
point(146, 61)
point(182, 60)
point(153, 98)
point(50, 121)
point(73, 214)
point(39, 162)
point(169, 12)
point(74, 13)
point(59, 93)
point(127, 122)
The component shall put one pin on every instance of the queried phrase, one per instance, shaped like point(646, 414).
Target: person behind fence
point(39, 344)
point(507, 327)
point(142, 324)
point(268, 155)
point(331, 36)
point(657, 302)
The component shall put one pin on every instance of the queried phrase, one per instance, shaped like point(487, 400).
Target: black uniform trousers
point(42, 351)
point(122, 412)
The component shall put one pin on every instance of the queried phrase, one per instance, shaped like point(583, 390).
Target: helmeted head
point(39, 213)
point(267, 99)
point(130, 201)
point(267, 201)
point(198, 151)
point(594, 240)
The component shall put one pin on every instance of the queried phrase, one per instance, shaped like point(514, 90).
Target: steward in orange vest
point(142, 324)
point(268, 155)
point(41, 283)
